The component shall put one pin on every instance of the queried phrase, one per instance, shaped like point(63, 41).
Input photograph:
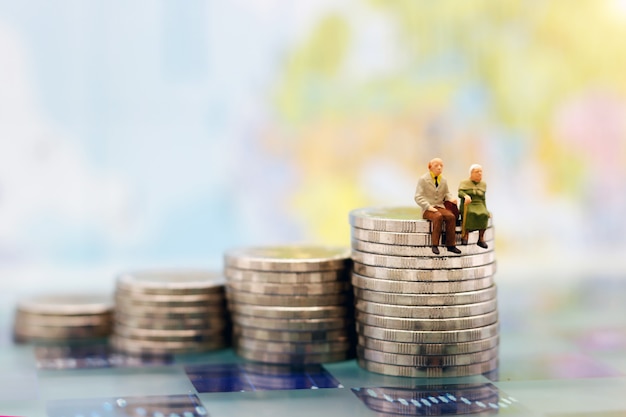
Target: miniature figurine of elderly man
point(476, 216)
point(430, 194)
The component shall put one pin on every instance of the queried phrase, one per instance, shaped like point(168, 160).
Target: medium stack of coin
point(419, 314)
point(170, 312)
point(291, 304)
point(63, 318)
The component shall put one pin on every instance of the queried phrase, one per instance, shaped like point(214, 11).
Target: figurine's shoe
point(463, 241)
point(482, 244)
point(435, 250)
point(453, 249)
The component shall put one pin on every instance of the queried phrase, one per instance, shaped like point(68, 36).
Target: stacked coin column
point(63, 318)
point(419, 314)
point(170, 312)
point(290, 304)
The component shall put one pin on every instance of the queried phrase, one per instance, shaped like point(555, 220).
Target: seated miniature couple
point(440, 206)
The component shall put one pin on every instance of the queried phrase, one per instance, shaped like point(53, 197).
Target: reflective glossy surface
point(562, 353)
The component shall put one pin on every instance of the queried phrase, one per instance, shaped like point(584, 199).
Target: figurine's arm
point(464, 195)
point(419, 197)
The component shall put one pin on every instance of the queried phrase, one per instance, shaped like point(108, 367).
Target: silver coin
point(417, 336)
point(292, 325)
point(406, 219)
point(442, 262)
point(138, 346)
point(426, 361)
point(426, 312)
point(54, 340)
point(411, 239)
point(183, 323)
point(67, 304)
point(214, 305)
point(34, 333)
point(185, 335)
point(277, 312)
point(314, 277)
point(170, 282)
point(291, 348)
point(468, 297)
point(392, 219)
point(313, 336)
point(54, 320)
point(152, 313)
point(288, 300)
point(418, 251)
point(403, 274)
point(429, 372)
point(262, 356)
point(170, 312)
point(406, 287)
point(291, 258)
point(291, 289)
point(429, 348)
point(399, 323)
point(171, 299)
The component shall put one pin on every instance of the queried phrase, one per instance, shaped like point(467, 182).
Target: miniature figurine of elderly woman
point(473, 205)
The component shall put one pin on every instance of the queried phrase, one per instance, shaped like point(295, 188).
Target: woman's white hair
point(473, 167)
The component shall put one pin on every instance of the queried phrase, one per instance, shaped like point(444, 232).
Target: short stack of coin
point(63, 318)
point(419, 314)
point(170, 312)
point(291, 304)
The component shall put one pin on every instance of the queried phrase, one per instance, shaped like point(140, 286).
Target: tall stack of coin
point(63, 318)
point(420, 314)
point(291, 304)
point(170, 312)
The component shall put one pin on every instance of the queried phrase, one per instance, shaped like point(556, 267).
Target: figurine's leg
point(450, 221)
point(436, 220)
point(481, 239)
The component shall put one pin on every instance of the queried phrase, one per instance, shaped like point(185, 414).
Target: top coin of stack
point(290, 304)
point(420, 314)
point(169, 312)
point(63, 318)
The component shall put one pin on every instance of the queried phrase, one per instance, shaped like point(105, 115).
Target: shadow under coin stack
point(419, 314)
point(291, 304)
point(170, 312)
point(63, 318)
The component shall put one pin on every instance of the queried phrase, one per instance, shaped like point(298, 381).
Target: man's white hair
point(473, 167)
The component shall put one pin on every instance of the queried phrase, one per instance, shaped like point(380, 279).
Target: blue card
point(259, 377)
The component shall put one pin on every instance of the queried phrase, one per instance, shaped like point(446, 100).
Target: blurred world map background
point(160, 133)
